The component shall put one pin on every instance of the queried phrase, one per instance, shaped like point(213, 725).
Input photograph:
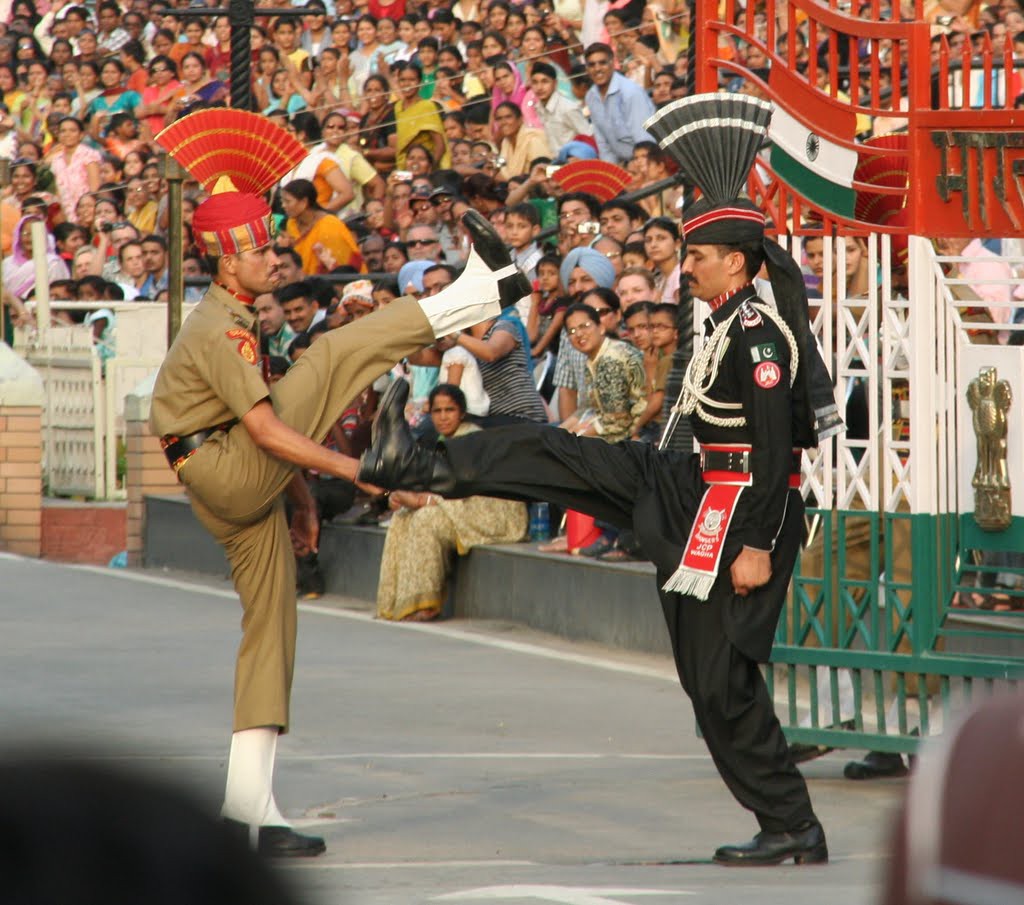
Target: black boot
point(876, 765)
point(277, 841)
point(394, 460)
point(805, 846)
point(494, 253)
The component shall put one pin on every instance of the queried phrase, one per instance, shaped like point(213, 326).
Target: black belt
point(179, 449)
point(736, 460)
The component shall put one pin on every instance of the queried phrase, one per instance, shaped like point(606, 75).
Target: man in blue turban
point(590, 262)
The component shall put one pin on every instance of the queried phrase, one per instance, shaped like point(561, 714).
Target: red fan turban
point(231, 222)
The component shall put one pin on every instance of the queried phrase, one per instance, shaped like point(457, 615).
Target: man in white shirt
point(561, 117)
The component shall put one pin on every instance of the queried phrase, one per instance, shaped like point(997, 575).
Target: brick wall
point(147, 473)
point(84, 532)
point(20, 479)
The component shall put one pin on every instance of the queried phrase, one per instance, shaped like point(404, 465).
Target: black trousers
point(718, 643)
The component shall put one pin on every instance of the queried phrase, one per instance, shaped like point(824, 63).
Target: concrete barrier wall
point(613, 604)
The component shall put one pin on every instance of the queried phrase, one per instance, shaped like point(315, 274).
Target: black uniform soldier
point(237, 445)
point(723, 527)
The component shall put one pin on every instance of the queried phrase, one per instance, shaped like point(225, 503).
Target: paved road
point(463, 762)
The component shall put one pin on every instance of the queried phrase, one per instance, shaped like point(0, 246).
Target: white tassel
point(690, 583)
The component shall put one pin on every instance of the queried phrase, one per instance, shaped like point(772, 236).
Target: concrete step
point(570, 596)
point(580, 599)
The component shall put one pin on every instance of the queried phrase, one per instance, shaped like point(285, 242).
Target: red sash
point(702, 554)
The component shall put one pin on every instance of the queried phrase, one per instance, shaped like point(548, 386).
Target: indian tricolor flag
point(805, 154)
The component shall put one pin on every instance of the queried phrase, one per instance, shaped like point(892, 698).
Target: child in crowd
point(637, 329)
point(459, 367)
point(522, 224)
point(384, 293)
point(664, 339)
point(548, 312)
point(634, 255)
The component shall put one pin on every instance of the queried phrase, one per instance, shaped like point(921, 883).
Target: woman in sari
point(377, 129)
point(322, 241)
point(418, 121)
point(114, 98)
point(158, 96)
point(364, 59)
point(19, 268)
point(320, 166)
point(510, 88)
point(426, 530)
point(198, 88)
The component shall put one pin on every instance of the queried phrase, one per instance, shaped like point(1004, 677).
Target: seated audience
point(426, 530)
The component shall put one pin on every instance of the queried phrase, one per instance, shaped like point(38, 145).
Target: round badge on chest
point(767, 374)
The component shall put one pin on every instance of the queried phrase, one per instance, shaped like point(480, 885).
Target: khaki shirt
point(211, 373)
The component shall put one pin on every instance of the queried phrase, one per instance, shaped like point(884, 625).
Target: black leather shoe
point(284, 842)
point(804, 846)
point(279, 841)
point(394, 459)
point(495, 254)
point(390, 415)
point(876, 765)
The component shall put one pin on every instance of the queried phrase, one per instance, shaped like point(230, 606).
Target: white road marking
point(568, 895)
point(402, 865)
point(427, 755)
point(664, 674)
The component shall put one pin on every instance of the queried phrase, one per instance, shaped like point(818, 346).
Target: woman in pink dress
point(75, 166)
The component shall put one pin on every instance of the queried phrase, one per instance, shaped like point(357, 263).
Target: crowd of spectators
point(413, 111)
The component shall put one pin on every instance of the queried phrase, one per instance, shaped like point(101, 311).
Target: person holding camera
point(578, 224)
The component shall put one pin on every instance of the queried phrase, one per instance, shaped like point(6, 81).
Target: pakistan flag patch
point(764, 352)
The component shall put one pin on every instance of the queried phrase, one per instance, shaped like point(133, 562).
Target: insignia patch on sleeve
point(767, 374)
point(246, 344)
point(749, 316)
point(764, 352)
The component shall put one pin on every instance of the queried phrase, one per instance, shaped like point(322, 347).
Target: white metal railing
point(83, 414)
point(72, 416)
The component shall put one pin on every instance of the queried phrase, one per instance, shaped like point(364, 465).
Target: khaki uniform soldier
point(237, 446)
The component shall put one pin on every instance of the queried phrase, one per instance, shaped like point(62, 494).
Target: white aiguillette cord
point(693, 395)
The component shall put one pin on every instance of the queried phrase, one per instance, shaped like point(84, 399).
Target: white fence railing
point(83, 410)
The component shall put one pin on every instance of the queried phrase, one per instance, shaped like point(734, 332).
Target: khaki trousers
point(235, 489)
